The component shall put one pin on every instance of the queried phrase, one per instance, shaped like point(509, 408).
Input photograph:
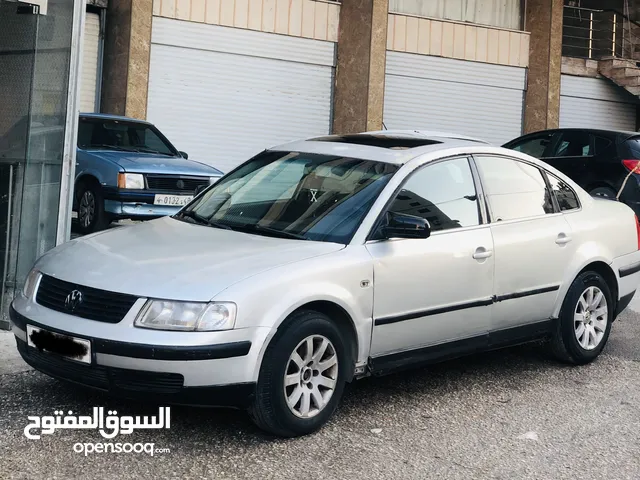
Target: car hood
point(167, 258)
point(150, 163)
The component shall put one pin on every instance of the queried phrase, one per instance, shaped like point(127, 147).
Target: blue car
point(127, 169)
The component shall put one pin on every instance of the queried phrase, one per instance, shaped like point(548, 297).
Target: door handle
point(563, 239)
point(482, 253)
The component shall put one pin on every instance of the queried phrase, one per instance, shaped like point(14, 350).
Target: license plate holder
point(65, 346)
point(171, 200)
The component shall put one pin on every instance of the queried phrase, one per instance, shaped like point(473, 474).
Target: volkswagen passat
point(323, 261)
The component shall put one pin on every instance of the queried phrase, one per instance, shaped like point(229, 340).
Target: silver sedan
point(323, 261)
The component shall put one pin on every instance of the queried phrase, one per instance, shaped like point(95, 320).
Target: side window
point(567, 198)
point(601, 144)
point(514, 189)
point(85, 132)
point(444, 194)
point(573, 144)
point(534, 146)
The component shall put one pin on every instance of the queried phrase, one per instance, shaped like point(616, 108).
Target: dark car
point(598, 160)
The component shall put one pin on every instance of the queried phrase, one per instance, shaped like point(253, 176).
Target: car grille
point(100, 305)
point(175, 183)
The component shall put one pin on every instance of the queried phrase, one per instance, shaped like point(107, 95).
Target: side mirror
point(184, 154)
point(199, 189)
point(400, 225)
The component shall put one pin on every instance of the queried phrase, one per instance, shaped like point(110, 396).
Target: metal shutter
point(91, 48)
point(224, 94)
point(470, 98)
point(595, 103)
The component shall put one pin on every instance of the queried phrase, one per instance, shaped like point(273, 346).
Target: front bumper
point(119, 203)
point(136, 210)
point(212, 369)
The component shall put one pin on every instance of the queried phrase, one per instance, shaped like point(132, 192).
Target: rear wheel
point(605, 192)
point(302, 376)
point(585, 320)
point(91, 214)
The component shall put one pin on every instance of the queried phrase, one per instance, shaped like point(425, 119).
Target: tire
point(565, 343)
point(605, 192)
point(91, 214)
point(270, 410)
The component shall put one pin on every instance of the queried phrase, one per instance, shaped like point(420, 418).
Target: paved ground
point(514, 414)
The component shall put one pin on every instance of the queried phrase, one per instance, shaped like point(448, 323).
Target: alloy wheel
point(311, 376)
point(590, 318)
point(87, 208)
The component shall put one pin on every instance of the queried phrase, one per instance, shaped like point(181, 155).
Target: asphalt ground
point(510, 414)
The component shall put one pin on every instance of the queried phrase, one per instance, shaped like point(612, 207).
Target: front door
point(532, 241)
point(435, 290)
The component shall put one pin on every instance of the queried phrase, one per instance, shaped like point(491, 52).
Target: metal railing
point(595, 34)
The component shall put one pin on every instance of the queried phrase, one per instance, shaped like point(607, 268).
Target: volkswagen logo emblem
point(73, 300)
point(180, 184)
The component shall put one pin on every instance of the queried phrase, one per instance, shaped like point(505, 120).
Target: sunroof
point(396, 143)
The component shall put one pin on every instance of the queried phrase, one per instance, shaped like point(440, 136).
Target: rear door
point(572, 153)
point(532, 241)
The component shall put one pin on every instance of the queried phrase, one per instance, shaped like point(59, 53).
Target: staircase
point(623, 72)
point(607, 36)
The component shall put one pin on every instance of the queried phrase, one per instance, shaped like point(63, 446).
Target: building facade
point(227, 78)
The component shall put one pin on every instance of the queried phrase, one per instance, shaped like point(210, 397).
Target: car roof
point(390, 146)
point(624, 133)
point(106, 116)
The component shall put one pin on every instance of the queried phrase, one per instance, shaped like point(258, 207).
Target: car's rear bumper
point(627, 271)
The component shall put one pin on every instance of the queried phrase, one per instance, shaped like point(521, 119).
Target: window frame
point(558, 140)
point(483, 213)
point(543, 173)
point(532, 137)
point(151, 126)
point(555, 198)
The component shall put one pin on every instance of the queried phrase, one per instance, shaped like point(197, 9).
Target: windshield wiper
point(151, 150)
point(190, 214)
point(112, 147)
point(254, 228)
point(201, 220)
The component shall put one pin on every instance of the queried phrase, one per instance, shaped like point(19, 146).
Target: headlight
point(131, 180)
point(31, 283)
point(213, 180)
point(187, 316)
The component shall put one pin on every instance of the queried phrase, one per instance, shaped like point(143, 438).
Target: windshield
point(293, 195)
point(100, 133)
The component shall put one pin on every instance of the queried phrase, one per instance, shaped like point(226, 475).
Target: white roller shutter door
point(223, 94)
point(91, 48)
point(457, 96)
point(595, 103)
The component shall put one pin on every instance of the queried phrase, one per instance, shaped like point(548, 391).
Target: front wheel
point(91, 214)
point(302, 376)
point(585, 320)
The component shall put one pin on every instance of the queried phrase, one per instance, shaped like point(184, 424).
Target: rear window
point(633, 145)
